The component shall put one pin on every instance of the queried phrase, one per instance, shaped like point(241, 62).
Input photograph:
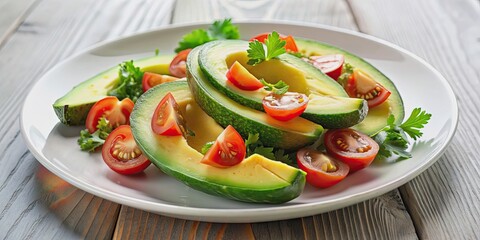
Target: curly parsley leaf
point(393, 138)
point(220, 29)
point(274, 47)
point(278, 88)
point(129, 82)
point(255, 146)
point(90, 141)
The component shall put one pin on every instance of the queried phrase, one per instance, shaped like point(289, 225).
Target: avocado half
point(377, 116)
point(256, 179)
point(329, 105)
point(72, 108)
point(290, 135)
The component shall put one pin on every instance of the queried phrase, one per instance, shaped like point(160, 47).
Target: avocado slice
point(377, 116)
point(256, 179)
point(73, 107)
point(330, 106)
point(293, 134)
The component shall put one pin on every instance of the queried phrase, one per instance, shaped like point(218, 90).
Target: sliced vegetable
point(361, 85)
point(322, 170)
point(241, 78)
point(285, 107)
point(352, 147)
point(331, 65)
point(178, 65)
point(121, 153)
point(290, 44)
point(152, 79)
point(228, 150)
point(167, 119)
point(116, 112)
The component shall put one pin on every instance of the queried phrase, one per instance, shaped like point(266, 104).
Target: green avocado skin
point(225, 116)
point(73, 115)
point(161, 159)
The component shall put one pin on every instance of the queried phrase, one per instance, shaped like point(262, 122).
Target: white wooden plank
point(13, 12)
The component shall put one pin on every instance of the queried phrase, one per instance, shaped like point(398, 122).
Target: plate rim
point(241, 215)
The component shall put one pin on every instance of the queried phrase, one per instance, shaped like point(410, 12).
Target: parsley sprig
point(278, 88)
point(90, 141)
point(347, 70)
point(223, 29)
point(129, 82)
point(393, 138)
point(274, 47)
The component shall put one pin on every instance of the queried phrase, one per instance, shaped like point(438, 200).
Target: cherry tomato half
point(290, 41)
point(228, 150)
point(322, 170)
point(150, 80)
point(285, 107)
point(361, 85)
point(167, 119)
point(121, 153)
point(116, 112)
point(242, 78)
point(331, 65)
point(352, 147)
point(178, 66)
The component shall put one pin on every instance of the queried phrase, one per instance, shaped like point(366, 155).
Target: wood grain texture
point(13, 12)
point(45, 37)
point(384, 217)
point(442, 201)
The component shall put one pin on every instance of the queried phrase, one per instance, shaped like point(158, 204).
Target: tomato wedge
point(290, 41)
point(150, 80)
point(361, 85)
point(178, 66)
point(116, 112)
point(322, 170)
point(121, 153)
point(331, 65)
point(242, 78)
point(285, 107)
point(351, 147)
point(167, 119)
point(228, 150)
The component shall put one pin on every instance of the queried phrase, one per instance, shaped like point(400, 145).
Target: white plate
point(55, 146)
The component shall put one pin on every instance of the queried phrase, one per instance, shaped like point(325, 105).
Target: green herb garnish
point(278, 88)
point(90, 141)
point(393, 138)
point(254, 145)
point(218, 30)
point(207, 147)
point(129, 82)
point(274, 48)
point(347, 70)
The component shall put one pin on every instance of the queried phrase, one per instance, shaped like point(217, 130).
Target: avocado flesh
point(332, 107)
point(72, 108)
point(290, 135)
point(376, 118)
point(255, 179)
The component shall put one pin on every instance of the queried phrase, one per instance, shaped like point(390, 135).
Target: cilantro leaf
point(393, 138)
point(274, 48)
point(129, 82)
point(218, 30)
point(255, 146)
point(278, 88)
point(90, 141)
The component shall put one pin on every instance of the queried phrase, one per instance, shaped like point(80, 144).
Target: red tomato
point(285, 107)
point(178, 66)
point(361, 85)
point(242, 78)
point(329, 64)
point(228, 150)
point(115, 111)
point(290, 41)
point(352, 147)
point(121, 153)
point(322, 170)
point(167, 119)
point(150, 80)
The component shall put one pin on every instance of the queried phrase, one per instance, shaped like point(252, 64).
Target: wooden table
point(441, 203)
